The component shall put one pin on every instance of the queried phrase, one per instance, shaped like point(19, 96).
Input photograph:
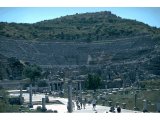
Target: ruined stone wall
point(49, 53)
point(117, 57)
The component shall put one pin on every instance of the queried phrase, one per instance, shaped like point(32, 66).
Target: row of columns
point(70, 107)
point(44, 99)
point(30, 99)
point(56, 86)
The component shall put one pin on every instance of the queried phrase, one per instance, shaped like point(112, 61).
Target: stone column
point(77, 89)
point(62, 86)
point(20, 96)
point(20, 91)
point(52, 89)
point(135, 101)
point(30, 97)
point(44, 104)
point(47, 99)
point(80, 90)
point(49, 89)
point(158, 106)
point(69, 105)
point(54, 86)
point(57, 86)
point(145, 106)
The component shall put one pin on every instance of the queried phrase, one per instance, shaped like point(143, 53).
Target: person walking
point(80, 102)
point(77, 104)
point(94, 104)
point(73, 105)
point(84, 103)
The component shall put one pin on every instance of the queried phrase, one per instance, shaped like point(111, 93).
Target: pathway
point(62, 108)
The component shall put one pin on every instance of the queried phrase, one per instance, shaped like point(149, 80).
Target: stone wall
point(113, 58)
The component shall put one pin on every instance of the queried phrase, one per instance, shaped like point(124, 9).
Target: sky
point(148, 15)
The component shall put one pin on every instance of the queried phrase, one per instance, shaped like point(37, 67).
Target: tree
point(32, 72)
point(93, 82)
point(88, 40)
point(42, 84)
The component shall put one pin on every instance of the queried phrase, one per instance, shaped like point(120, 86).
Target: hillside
point(88, 43)
point(86, 27)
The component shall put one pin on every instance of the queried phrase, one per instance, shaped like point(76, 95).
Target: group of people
point(80, 103)
point(112, 109)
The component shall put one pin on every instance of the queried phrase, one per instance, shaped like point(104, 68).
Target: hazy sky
point(150, 15)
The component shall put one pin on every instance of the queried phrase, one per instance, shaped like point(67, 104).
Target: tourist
point(118, 109)
point(112, 109)
point(94, 104)
point(68, 106)
point(73, 105)
point(144, 111)
point(77, 104)
point(80, 102)
point(84, 103)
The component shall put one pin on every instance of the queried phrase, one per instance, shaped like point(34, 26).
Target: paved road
point(62, 108)
point(100, 109)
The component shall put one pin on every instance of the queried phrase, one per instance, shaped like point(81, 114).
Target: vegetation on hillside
point(14, 69)
point(86, 27)
point(93, 82)
point(10, 68)
point(150, 84)
point(32, 72)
